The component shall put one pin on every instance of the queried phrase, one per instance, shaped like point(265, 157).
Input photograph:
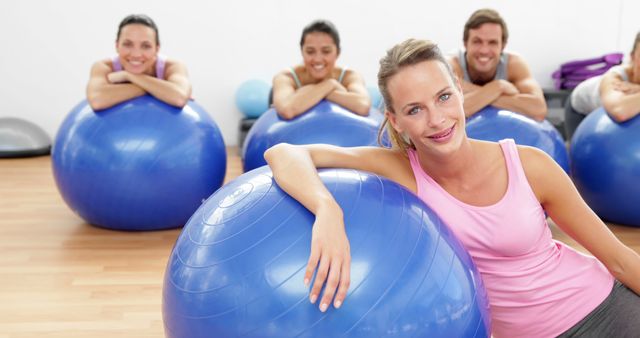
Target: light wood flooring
point(60, 277)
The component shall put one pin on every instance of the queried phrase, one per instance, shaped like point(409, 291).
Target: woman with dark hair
point(495, 197)
point(297, 89)
point(137, 69)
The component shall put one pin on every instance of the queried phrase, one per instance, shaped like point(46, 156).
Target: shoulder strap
point(295, 78)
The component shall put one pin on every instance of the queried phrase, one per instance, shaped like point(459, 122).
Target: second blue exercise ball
point(493, 124)
point(139, 165)
point(605, 164)
point(237, 268)
point(376, 97)
point(252, 98)
point(325, 122)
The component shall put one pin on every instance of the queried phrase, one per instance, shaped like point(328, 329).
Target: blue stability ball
point(140, 165)
point(493, 124)
point(252, 98)
point(376, 97)
point(605, 164)
point(326, 122)
point(237, 268)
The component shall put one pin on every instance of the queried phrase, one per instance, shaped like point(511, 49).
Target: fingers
point(345, 281)
point(321, 275)
point(331, 266)
point(335, 276)
point(331, 285)
point(311, 265)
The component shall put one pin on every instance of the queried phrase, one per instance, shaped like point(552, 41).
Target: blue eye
point(413, 110)
point(444, 97)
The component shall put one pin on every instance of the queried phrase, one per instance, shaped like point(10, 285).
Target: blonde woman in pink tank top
point(494, 196)
point(138, 69)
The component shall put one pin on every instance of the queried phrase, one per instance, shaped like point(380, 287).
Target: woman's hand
point(118, 77)
point(330, 256)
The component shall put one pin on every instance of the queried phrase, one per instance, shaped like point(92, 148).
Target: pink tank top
point(537, 287)
point(160, 65)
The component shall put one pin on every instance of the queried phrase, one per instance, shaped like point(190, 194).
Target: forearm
point(627, 270)
point(625, 108)
point(294, 171)
point(166, 91)
point(355, 102)
point(526, 104)
point(303, 99)
point(480, 97)
point(111, 94)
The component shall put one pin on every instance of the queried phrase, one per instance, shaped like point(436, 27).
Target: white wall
point(49, 46)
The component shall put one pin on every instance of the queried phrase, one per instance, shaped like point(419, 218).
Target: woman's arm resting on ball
point(620, 105)
point(353, 95)
point(565, 206)
point(291, 102)
point(102, 94)
point(175, 90)
point(294, 169)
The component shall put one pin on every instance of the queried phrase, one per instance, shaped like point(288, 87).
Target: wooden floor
point(60, 277)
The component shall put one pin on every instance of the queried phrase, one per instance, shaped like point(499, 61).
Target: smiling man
point(491, 76)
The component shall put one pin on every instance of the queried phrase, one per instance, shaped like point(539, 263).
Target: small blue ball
point(252, 98)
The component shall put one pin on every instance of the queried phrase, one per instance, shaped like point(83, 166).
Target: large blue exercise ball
point(325, 122)
point(139, 165)
point(605, 164)
point(252, 98)
point(237, 268)
point(493, 124)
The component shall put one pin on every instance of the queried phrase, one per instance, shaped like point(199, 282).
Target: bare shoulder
point(394, 164)
point(517, 67)
point(454, 62)
point(613, 76)
point(514, 57)
point(174, 67)
point(102, 66)
point(538, 166)
point(533, 158)
point(174, 63)
point(351, 75)
point(353, 79)
point(283, 76)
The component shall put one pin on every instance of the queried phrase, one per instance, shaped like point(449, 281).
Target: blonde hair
point(406, 53)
